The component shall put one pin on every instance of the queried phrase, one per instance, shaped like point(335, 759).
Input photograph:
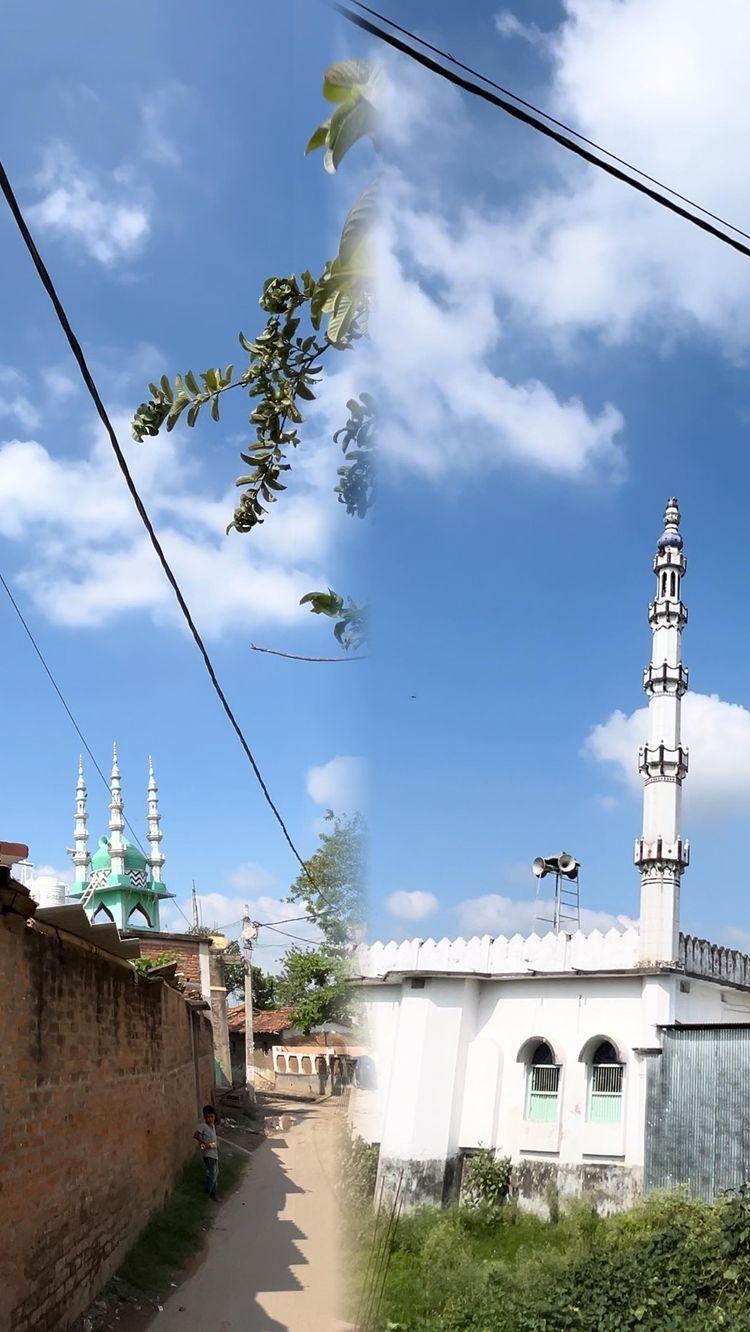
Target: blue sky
point(159, 153)
point(564, 357)
point(555, 357)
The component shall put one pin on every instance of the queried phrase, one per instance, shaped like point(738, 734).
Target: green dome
point(102, 860)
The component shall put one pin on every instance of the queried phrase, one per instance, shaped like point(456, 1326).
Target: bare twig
point(295, 656)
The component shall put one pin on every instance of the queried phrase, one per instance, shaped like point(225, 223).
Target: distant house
point(285, 1057)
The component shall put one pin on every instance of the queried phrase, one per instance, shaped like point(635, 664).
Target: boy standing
point(205, 1136)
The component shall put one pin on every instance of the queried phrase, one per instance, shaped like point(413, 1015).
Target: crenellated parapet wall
point(615, 950)
point(698, 957)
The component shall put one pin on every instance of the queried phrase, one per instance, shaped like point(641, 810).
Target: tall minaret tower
point(156, 858)
point(116, 822)
point(660, 853)
point(80, 834)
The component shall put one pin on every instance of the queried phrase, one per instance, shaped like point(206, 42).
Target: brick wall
point(186, 951)
point(101, 1076)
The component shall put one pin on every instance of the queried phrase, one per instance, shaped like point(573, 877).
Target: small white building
point(601, 1064)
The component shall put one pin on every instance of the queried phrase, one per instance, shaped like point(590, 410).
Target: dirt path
point(271, 1260)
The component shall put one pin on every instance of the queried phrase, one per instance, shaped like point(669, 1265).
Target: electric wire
point(534, 122)
point(446, 55)
point(93, 391)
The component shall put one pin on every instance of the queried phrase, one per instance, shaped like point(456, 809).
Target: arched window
point(543, 1085)
point(306, 1064)
point(102, 915)
point(139, 918)
point(664, 583)
point(293, 1064)
point(280, 1064)
point(605, 1085)
point(672, 584)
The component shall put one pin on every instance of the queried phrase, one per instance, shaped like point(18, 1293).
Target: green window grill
point(605, 1085)
point(543, 1087)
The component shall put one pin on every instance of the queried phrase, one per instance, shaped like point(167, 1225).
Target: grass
point(176, 1232)
point(671, 1264)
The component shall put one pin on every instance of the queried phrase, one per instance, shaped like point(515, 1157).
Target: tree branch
point(294, 656)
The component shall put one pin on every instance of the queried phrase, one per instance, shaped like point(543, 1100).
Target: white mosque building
point(601, 1064)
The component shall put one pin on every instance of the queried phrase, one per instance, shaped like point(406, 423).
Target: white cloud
point(509, 25)
point(495, 914)
point(438, 328)
point(59, 384)
point(338, 784)
point(717, 735)
point(90, 560)
point(97, 215)
point(412, 906)
point(250, 877)
point(662, 84)
point(157, 108)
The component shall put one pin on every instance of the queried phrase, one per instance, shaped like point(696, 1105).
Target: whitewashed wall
point(451, 1048)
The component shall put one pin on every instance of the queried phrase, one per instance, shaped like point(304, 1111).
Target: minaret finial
point(156, 858)
point(80, 833)
point(116, 821)
point(660, 853)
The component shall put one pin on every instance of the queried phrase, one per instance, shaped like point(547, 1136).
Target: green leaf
point(344, 76)
point(166, 388)
point(350, 123)
point(215, 407)
point(192, 382)
point(305, 392)
point(319, 138)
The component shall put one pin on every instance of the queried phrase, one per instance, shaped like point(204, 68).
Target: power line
point(88, 380)
point(64, 702)
point(298, 937)
point(446, 55)
point(534, 121)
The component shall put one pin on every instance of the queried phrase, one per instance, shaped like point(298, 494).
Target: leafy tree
point(315, 983)
point(334, 892)
point(307, 318)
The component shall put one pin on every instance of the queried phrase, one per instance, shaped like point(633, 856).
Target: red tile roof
point(265, 1021)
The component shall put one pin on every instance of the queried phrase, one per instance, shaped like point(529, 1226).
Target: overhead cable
point(536, 120)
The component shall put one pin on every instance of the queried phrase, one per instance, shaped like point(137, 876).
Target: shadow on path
point(270, 1259)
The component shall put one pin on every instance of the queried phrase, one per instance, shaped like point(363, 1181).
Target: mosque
point(119, 883)
point(601, 1065)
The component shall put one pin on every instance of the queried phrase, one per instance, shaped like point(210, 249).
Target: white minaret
point(81, 831)
point(116, 821)
point(660, 854)
point(156, 858)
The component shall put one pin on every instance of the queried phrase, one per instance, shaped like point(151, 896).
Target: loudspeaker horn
point(568, 864)
point(540, 867)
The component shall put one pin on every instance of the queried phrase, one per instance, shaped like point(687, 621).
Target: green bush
point(486, 1181)
point(672, 1264)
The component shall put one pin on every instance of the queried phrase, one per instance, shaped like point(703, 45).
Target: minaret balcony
point(670, 558)
point(667, 614)
point(660, 763)
point(661, 855)
point(665, 679)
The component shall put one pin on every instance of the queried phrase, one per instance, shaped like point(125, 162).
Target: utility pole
point(196, 921)
point(249, 935)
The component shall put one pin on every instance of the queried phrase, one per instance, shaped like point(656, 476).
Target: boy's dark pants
point(211, 1181)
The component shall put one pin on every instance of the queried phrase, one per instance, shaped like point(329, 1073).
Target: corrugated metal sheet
point(698, 1110)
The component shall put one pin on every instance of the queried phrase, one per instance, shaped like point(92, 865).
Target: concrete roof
point(73, 920)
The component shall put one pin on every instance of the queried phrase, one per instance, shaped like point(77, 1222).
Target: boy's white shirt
point(208, 1134)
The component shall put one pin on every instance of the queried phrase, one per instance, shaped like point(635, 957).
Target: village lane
point(271, 1262)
